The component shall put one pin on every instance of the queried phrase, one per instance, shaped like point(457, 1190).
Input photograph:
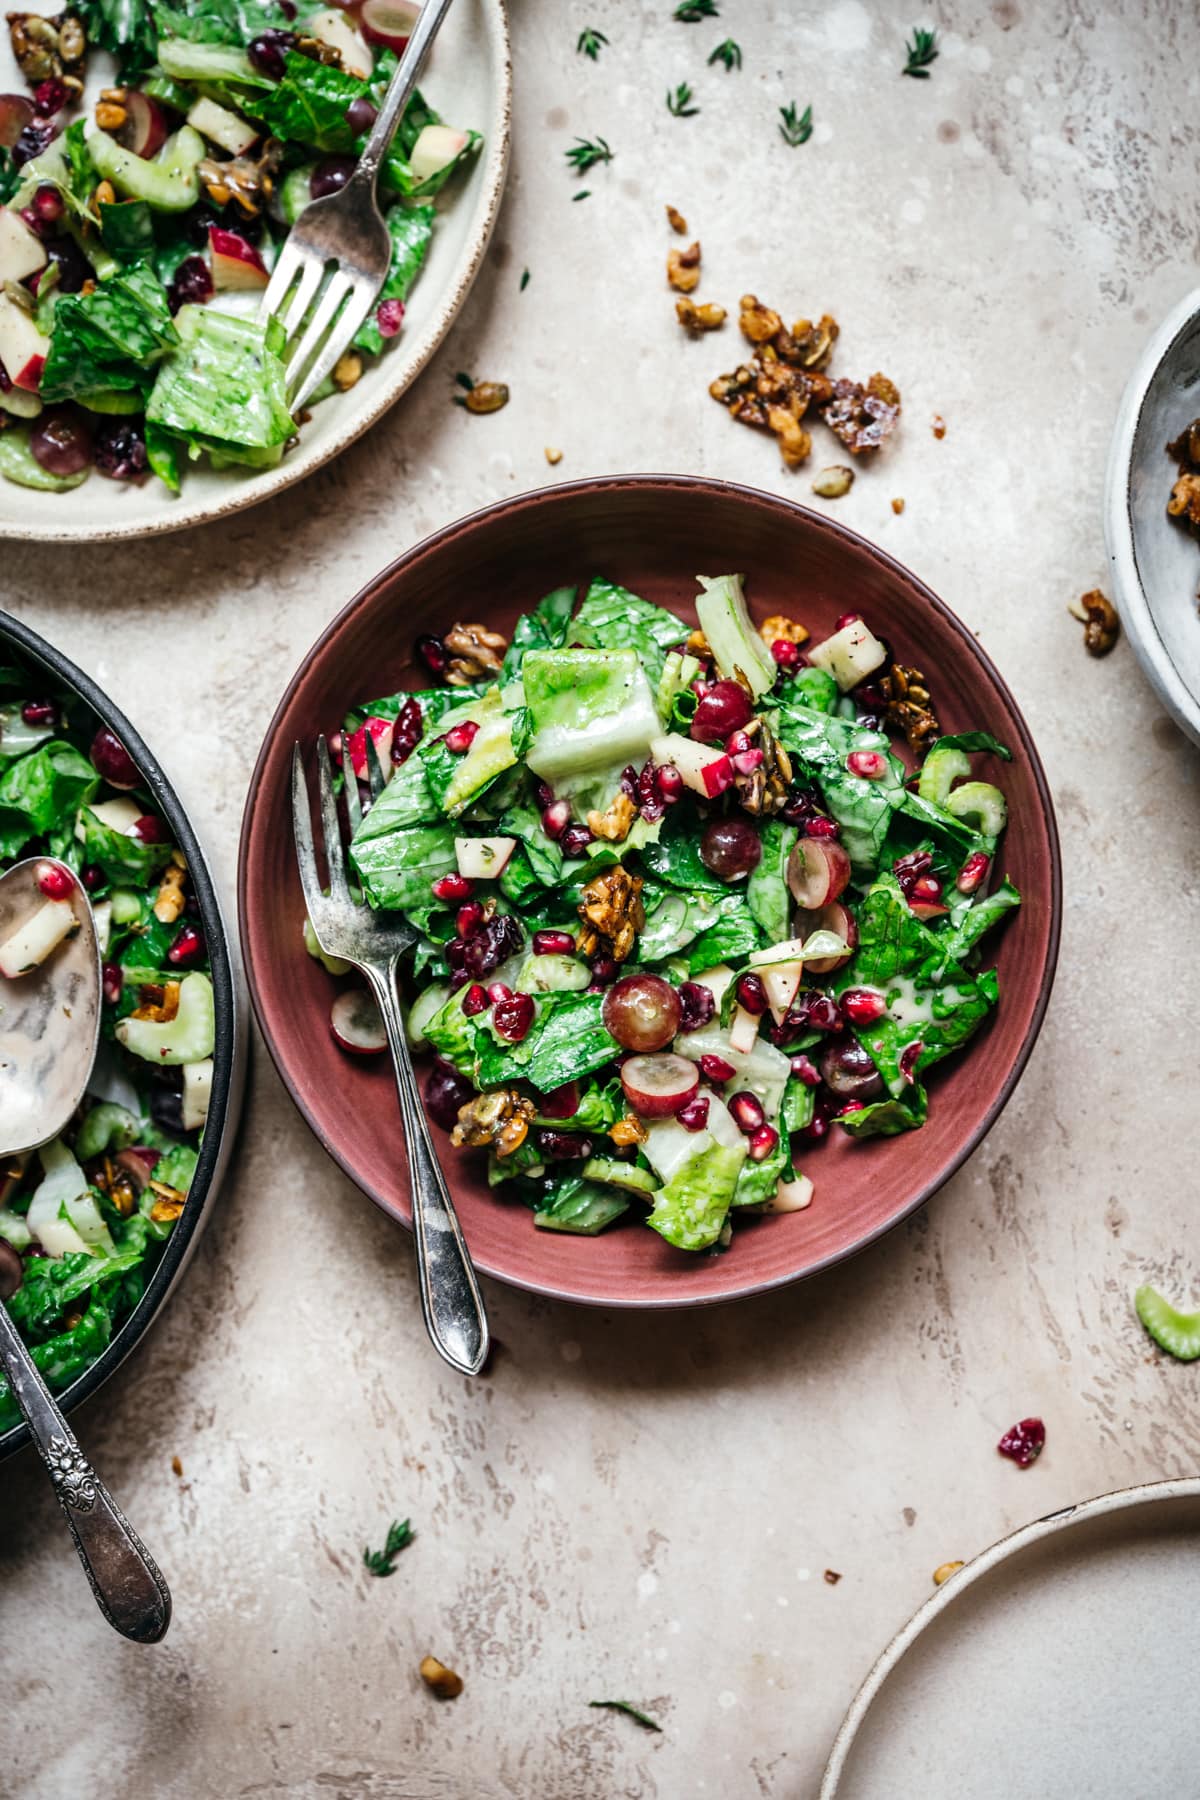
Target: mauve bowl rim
point(596, 488)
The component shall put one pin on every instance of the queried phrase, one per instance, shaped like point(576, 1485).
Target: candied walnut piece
point(439, 1679)
point(1184, 503)
point(249, 184)
point(758, 322)
point(778, 626)
point(808, 344)
point(794, 442)
point(1186, 447)
point(158, 1002)
point(613, 825)
point(611, 908)
point(1097, 614)
point(683, 268)
point(497, 1121)
point(696, 320)
point(862, 418)
point(910, 708)
point(697, 644)
point(676, 220)
point(628, 1130)
point(169, 901)
point(474, 652)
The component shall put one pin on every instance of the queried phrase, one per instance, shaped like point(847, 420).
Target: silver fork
point(450, 1299)
point(346, 229)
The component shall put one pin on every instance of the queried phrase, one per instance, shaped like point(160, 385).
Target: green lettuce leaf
point(66, 1355)
point(106, 339)
point(566, 1041)
point(125, 28)
point(582, 1207)
point(123, 859)
point(223, 389)
point(767, 894)
point(691, 1209)
point(39, 790)
point(397, 869)
point(545, 628)
point(888, 1118)
point(863, 809)
point(218, 21)
point(611, 618)
point(987, 910)
point(411, 229)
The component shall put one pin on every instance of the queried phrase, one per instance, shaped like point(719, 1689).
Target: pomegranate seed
point(786, 654)
point(927, 890)
point(48, 203)
point(560, 1146)
point(906, 869)
point(406, 734)
point(54, 882)
point(459, 738)
point(694, 1116)
point(748, 761)
point(187, 949)
point(870, 764)
point(972, 872)
point(1023, 1442)
point(475, 1000)
point(715, 1068)
point(762, 1143)
point(49, 97)
point(389, 316)
point(432, 652)
point(40, 712)
point(556, 818)
point(468, 918)
point(150, 829)
point(747, 1112)
point(816, 1129)
point(543, 793)
point(111, 981)
point(752, 994)
point(862, 1006)
point(908, 1060)
point(452, 887)
point(553, 943)
point(512, 1018)
point(845, 619)
point(806, 1071)
point(736, 743)
point(821, 827)
point(670, 783)
point(92, 876)
point(604, 971)
point(851, 1106)
point(498, 991)
point(698, 1005)
point(823, 1014)
point(575, 840)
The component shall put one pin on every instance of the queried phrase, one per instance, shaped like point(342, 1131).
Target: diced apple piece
point(228, 130)
point(483, 858)
point(31, 943)
point(436, 148)
point(850, 655)
point(197, 1093)
point(236, 265)
point(781, 982)
point(790, 950)
point(333, 27)
point(705, 768)
point(743, 1031)
point(716, 980)
point(22, 252)
point(23, 349)
point(119, 815)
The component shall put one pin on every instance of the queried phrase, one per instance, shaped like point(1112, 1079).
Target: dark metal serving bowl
point(230, 1051)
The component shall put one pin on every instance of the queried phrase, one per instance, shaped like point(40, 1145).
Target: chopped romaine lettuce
point(411, 229)
point(611, 618)
point(222, 389)
point(109, 338)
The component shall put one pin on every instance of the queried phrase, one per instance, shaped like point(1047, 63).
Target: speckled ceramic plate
point(652, 533)
point(1156, 564)
point(468, 77)
point(1061, 1661)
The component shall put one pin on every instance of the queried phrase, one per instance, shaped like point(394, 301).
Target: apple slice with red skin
point(236, 265)
point(382, 731)
point(22, 252)
point(23, 349)
point(818, 870)
point(705, 768)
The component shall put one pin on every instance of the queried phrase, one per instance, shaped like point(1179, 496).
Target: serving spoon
point(49, 1030)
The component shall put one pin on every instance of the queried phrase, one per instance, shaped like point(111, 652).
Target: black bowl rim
point(597, 486)
point(227, 1055)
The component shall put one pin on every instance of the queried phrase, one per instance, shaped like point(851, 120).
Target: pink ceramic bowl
point(653, 534)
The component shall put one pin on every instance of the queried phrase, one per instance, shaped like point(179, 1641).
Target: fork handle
point(400, 89)
point(450, 1299)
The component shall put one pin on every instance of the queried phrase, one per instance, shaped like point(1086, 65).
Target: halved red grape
point(16, 112)
point(642, 1012)
point(818, 870)
point(61, 442)
point(836, 918)
point(847, 1068)
point(657, 1086)
point(730, 848)
point(112, 760)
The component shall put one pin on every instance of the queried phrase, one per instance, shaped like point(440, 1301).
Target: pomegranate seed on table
point(556, 817)
point(694, 1115)
point(972, 872)
point(452, 887)
point(512, 1018)
point(762, 1143)
point(862, 1006)
point(871, 765)
point(553, 943)
point(821, 827)
point(844, 619)
point(55, 883)
point(187, 949)
point(468, 919)
point(459, 738)
point(786, 654)
point(747, 1112)
point(806, 1071)
point(715, 1068)
point(111, 982)
point(697, 1003)
point(1023, 1442)
point(475, 1000)
point(498, 990)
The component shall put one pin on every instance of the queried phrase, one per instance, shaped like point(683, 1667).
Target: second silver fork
point(450, 1299)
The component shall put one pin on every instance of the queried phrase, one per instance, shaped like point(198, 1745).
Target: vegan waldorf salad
point(683, 909)
point(135, 242)
point(83, 1219)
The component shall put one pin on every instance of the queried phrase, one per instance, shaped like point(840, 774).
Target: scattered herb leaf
point(464, 380)
point(584, 155)
point(690, 12)
point(796, 128)
point(582, 194)
point(626, 1706)
point(921, 52)
point(590, 42)
point(524, 279)
point(383, 1562)
point(680, 102)
point(728, 53)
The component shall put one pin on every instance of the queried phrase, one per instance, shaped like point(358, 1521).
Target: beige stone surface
point(644, 1508)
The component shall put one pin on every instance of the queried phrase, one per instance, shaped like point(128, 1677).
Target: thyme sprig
point(679, 103)
point(921, 52)
point(690, 12)
point(400, 1532)
point(627, 1707)
point(584, 155)
point(729, 53)
point(795, 129)
point(590, 42)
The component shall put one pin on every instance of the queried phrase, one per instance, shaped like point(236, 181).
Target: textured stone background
point(646, 1508)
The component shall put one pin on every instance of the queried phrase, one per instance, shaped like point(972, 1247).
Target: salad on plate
point(83, 1220)
point(681, 907)
point(136, 239)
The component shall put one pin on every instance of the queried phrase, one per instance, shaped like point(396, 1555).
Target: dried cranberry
point(188, 948)
point(560, 1146)
point(822, 1013)
point(796, 808)
point(121, 451)
point(575, 840)
point(821, 827)
point(455, 953)
point(512, 1018)
point(32, 141)
point(495, 941)
point(49, 97)
point(150, 829)
point(111, 982)
point(475, 1000)
point(445, 1092)
point(268, 52)
point(1023, 1442)
point(432, 652)
point(908, 869)
point(73, 267)
point(553, 943)
point(452, 887)
point(752, 994)
point(629, 781)
point(698, 1005)
point(192, 284)
point(407, 732)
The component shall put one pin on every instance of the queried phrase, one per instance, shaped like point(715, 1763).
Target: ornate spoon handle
point(124, 1578)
